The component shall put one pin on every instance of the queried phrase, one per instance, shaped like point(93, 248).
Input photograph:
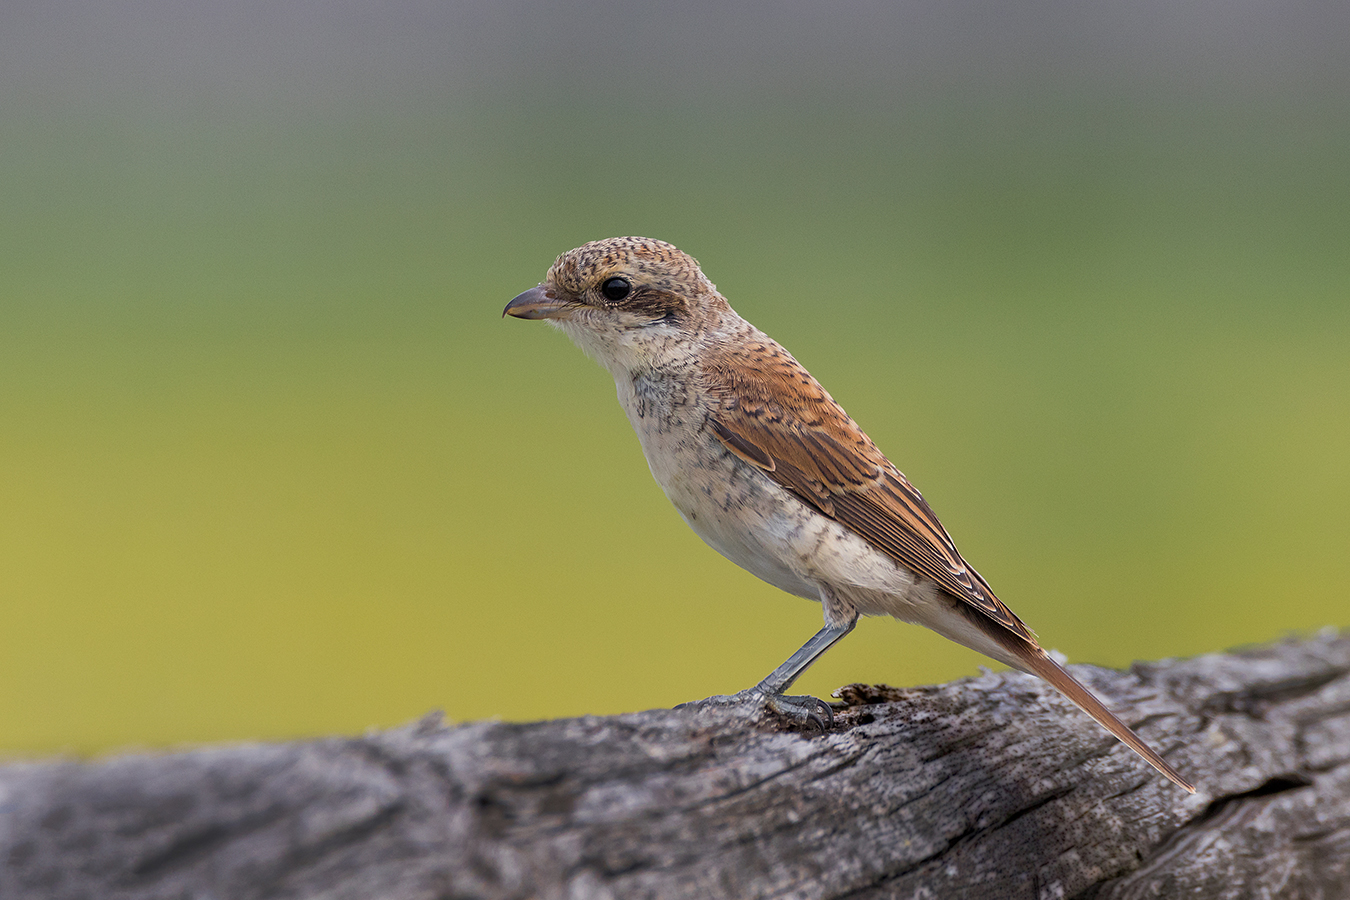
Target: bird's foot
point(801, 711)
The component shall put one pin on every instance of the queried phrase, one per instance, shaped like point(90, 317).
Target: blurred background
point(273, 465)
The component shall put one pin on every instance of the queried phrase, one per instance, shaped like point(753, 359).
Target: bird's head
point(631, 302)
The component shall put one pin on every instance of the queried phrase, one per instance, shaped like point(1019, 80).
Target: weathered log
point(987, 787)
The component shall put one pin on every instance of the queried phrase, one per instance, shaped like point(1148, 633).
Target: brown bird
point(768, 469)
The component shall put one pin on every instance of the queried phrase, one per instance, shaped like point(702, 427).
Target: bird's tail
point(1036, 661)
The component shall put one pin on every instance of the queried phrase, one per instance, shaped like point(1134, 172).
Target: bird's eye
point(615, 288)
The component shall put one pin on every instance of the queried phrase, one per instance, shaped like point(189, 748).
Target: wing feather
point(772, 413)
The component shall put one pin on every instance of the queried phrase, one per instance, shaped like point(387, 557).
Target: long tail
point(1037, 662)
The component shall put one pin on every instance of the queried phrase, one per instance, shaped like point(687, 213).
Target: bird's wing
point(772, 413)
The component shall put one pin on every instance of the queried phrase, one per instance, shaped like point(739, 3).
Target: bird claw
point(801, 711)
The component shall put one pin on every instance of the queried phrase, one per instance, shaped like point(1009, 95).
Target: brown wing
point(770, 412)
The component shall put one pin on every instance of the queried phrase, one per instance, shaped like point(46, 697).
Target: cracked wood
point(992, 787)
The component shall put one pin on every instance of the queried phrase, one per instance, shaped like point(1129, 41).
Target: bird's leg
point(840, 617)
point(802, 709)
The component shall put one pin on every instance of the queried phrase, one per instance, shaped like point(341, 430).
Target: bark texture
point(986, 787)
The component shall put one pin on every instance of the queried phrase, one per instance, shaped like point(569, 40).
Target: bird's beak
point(536, 303)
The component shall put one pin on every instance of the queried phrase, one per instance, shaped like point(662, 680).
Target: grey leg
point(781, 678)
point(769, 692)
point(803, 709)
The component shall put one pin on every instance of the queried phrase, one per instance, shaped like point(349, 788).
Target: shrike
point(768, 469)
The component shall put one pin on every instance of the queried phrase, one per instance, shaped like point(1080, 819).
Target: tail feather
point(1035, 660)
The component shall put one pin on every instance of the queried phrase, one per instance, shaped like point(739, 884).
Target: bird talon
point(802, 710)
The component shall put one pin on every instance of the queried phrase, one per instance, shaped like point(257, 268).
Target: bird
point(769, 470)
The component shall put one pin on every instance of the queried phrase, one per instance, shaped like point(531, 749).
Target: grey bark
point(986, 787)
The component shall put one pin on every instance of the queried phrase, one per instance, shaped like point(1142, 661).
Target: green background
point(272, 464)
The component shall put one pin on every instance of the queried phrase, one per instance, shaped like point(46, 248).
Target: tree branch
point(987, 787)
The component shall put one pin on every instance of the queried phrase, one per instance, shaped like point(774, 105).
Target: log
point(992, 786)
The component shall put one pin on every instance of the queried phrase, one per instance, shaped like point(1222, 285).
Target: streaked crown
point(655, 263)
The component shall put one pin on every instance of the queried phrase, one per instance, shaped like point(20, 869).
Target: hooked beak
point(536, 303)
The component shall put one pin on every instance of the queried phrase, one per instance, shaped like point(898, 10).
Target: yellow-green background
point(271, 463)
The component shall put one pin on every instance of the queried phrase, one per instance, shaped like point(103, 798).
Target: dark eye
point(615, 288)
